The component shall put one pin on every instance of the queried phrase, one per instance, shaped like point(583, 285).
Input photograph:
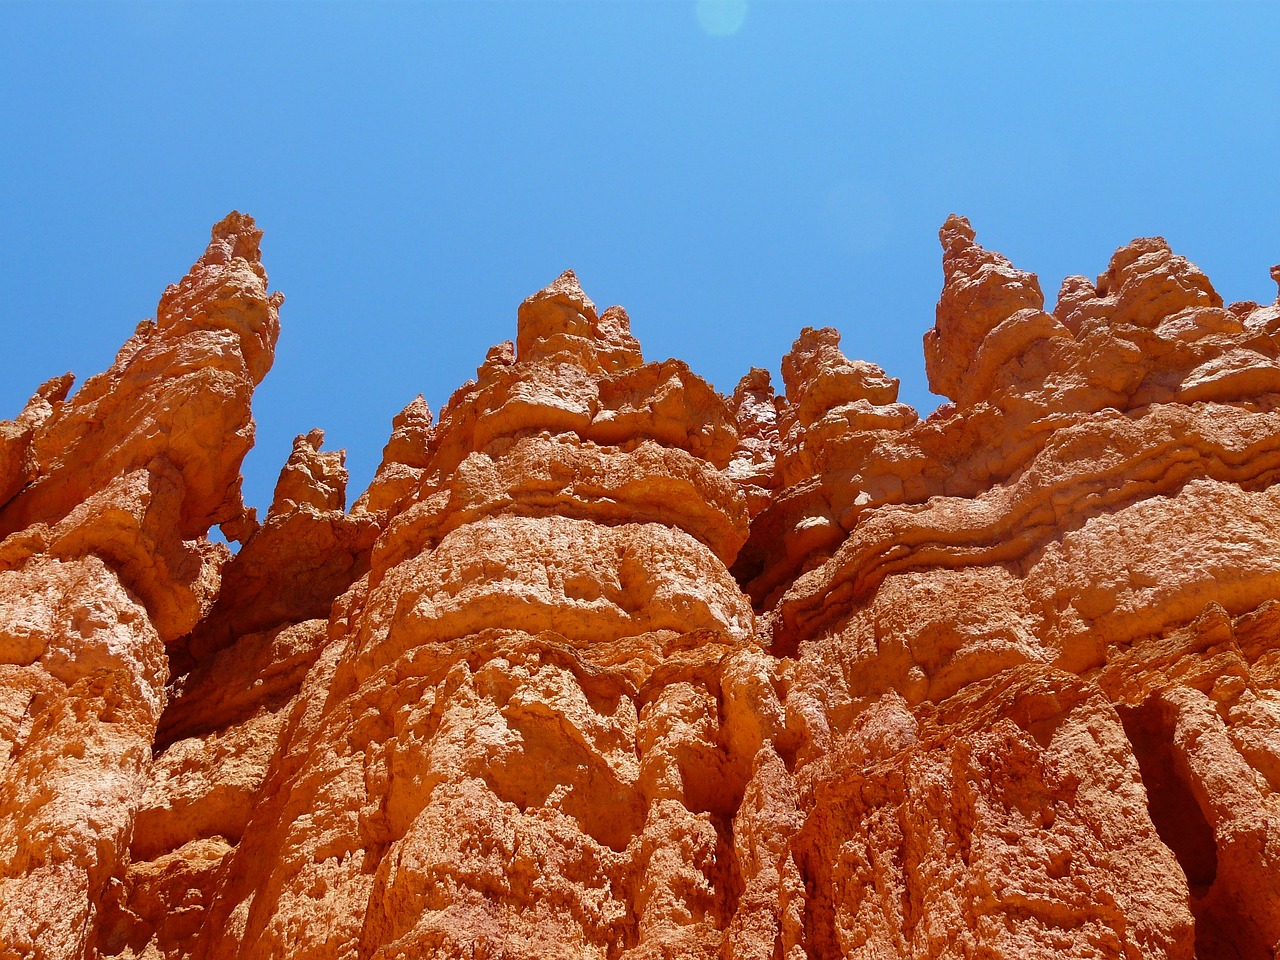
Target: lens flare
point(721, 18)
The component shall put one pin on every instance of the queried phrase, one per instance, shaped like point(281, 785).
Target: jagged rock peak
point(755, 411)
point(956, 234)
point(415, 416)
point(310, 477)
point(226, 289)
point(820, 378)
point(236, 235)
point(560, 322)
point(981, 290)
point(405, 456)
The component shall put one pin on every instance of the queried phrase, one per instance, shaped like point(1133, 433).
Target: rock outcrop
point(605, 664)
point(105, 563)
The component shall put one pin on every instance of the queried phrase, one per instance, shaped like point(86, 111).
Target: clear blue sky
point(421, 168)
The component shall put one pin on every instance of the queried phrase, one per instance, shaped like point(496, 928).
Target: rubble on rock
point(605, 664)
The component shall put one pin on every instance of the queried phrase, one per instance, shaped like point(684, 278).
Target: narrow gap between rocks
point(1222, 930)
point(1174, 811)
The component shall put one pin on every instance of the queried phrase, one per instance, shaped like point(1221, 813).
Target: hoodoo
point(605, 664)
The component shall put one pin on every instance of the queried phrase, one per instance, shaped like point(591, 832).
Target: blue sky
point(421, 168)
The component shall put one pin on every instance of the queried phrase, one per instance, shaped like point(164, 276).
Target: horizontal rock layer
point(605, 664)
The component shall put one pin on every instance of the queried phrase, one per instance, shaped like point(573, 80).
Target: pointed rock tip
point(310, 477)
point(1275, 275)
point(811, 338)
point(756, 382)
point(802, 361)
point(615, 325)
point(241, 231)
point(560, 319)
point(818, 376)
point(501, 353)
point(55, 389)
point(566, 286)
point(415, 415)
point(956, 230)
point(1138, 246)
point(1126, 256)
point(418, 405)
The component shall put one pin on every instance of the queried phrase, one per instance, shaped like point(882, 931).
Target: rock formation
point(604, 664)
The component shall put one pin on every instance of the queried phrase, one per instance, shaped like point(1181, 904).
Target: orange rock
point(752, 467)
point(561, 322)
point(16, 468)
point(404, 458)
point(837, 415)
point(179, 391)
point(604, 664)
point(311, 478)
point(83, 679)
point(107, 497)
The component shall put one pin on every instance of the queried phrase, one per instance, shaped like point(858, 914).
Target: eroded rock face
point(107, 497)
point(604, 664)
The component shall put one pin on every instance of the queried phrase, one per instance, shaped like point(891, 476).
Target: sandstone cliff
point(604, 664)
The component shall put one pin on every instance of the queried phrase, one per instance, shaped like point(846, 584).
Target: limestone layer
point(605, 664)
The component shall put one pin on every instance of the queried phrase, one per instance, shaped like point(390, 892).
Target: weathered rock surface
point(604, 664)
point(108, 496)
